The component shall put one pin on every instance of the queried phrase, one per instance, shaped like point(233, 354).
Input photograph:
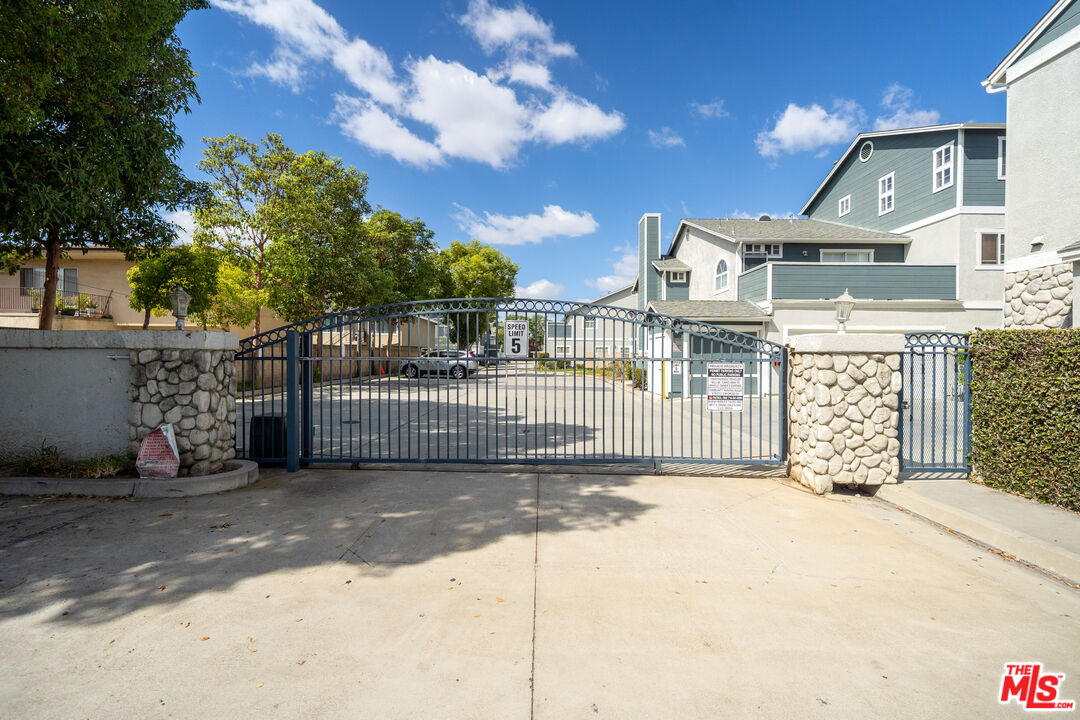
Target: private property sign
point(516, 338)
point(724, 387)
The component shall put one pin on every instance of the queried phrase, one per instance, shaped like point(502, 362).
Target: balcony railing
point(29, 300)
point(865, 281)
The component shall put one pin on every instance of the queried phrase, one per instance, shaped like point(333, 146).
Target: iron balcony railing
point(30, 300)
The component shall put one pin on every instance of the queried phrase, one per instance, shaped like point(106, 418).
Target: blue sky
point(547, 129)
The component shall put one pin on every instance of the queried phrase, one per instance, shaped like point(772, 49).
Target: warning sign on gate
point(724, 387)
point(516, 338)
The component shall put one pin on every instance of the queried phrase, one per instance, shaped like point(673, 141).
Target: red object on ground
point(158, 457)
point(382, 370)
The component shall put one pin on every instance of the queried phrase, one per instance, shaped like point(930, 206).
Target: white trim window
point(944, 158)
point(1001, 157)
point(886, 193)
point(769, 250)
point(677, 276)
point(847, 256)
point(590, 323)
point(721, 282)
point(990, 250)
point(844, 206)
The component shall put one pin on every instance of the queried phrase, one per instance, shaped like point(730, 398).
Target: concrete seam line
point(985, 546)
point(536, 570)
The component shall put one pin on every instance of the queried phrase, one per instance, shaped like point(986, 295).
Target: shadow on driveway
point(96, 560)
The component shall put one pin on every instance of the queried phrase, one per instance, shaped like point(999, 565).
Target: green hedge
point(1025, 413)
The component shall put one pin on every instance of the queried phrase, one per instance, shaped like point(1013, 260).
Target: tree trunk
point(146, 319)
point(52, 272)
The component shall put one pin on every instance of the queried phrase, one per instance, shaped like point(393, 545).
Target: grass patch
point(46, 462)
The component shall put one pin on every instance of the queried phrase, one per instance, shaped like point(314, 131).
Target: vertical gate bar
point(292, 432)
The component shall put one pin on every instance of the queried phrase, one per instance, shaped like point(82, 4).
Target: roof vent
point(764, 218)
point(866, 151)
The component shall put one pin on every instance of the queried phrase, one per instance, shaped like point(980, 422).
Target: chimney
point(648, 250)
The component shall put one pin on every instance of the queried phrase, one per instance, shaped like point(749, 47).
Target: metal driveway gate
point(433, 382)
point(935, 408)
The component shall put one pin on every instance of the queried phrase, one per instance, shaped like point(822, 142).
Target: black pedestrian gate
point(437, 381)
point(935, 407)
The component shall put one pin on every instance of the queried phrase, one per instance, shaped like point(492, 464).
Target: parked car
point(455, 363)
point(488, 357)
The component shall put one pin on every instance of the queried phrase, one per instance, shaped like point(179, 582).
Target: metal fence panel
point(935, 409)
point(432, 382)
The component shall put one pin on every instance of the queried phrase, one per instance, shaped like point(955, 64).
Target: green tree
point(152, 279)
point(473, 270)
point(293, 221)
point(87, 137)
point(235, 302)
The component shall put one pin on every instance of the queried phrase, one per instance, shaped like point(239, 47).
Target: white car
point(455, 363)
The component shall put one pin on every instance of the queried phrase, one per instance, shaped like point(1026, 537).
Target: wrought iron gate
point(935, 409)
point(432, 382)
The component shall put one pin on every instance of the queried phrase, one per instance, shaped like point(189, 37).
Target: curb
point(1028, 550)
point(241, 473)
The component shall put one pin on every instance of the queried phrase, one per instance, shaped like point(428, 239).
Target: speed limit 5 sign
point(516, 338)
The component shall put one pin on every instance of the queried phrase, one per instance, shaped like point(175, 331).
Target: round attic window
point(866, 151)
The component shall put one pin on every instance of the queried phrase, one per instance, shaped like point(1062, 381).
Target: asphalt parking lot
point(388, 594)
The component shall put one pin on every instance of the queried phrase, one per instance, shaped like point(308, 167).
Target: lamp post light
point(179, 299)
point(844, 304)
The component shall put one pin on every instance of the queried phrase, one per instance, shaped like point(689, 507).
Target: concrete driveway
point(378, 594)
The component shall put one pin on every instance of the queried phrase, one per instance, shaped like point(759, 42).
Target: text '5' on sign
point(516, 338)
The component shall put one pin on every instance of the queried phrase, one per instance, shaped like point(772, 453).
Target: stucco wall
point(803, 318)
point(1043, 187)
point(702, 251)
point(954, 241)
point(70, 389)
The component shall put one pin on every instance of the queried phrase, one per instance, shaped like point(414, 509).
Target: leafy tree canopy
point(474, 270)
point(193, 268)
point(87, 137)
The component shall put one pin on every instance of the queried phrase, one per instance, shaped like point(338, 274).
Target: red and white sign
point(158, 457)
point(1032, 688)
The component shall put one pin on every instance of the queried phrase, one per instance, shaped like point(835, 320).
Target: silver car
point(455, 363)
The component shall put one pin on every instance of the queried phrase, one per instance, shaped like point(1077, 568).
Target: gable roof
point(997, 80)
point(670, 264)
point(886, 133)
point(784, 230)
point(706, 310)
point(631, 287)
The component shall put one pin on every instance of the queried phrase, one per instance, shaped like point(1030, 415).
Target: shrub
point(102, 466)
point(45, 461)
point(1025, 413)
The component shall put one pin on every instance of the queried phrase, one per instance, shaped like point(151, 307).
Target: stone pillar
point(844, 410)
point(186, 379)
point(1039, 298)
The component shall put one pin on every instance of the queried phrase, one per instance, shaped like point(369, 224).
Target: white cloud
point(474, 118)
point(367, 124)
point(543, 289)
point(714, 109)
point(741, 215)
point(466, 115)
point(810, 128)
point(369, 69)
point(525, 229)
point(516, 30)
point(665, 138)
point(624, 270)
point(897, 100)
point(572, 119)
point(524, 73)
point(185, 224)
